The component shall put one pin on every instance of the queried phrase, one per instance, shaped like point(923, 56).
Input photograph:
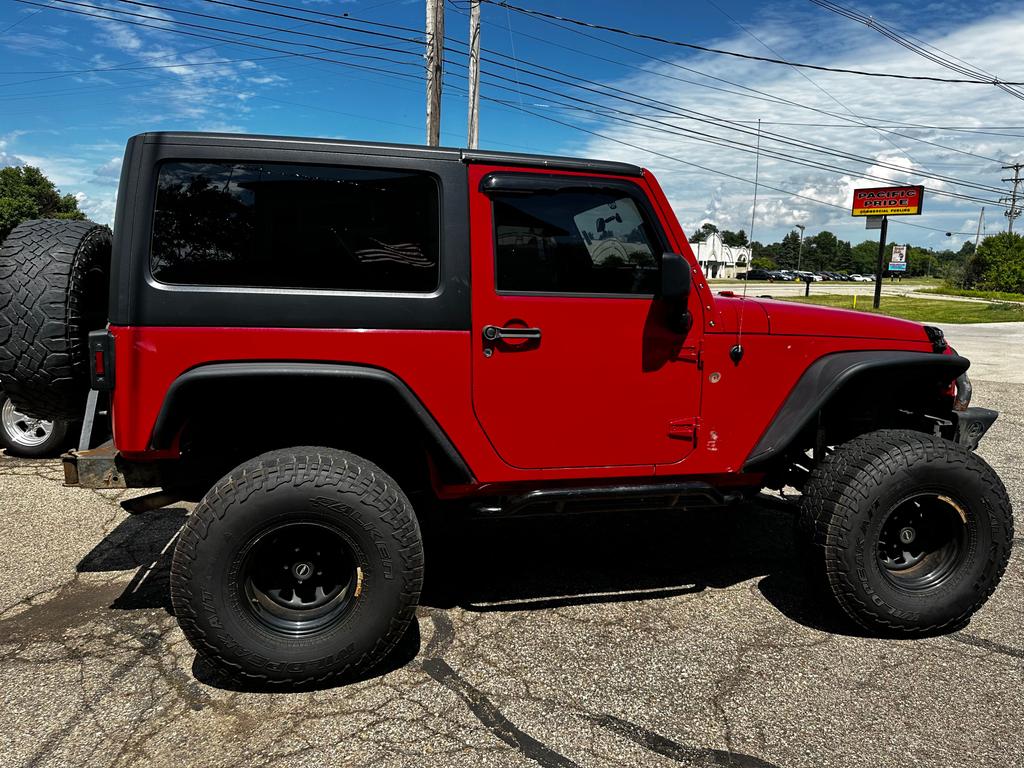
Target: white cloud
point(992, 43)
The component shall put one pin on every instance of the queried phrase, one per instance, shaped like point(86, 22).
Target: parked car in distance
point(861, 278)
point(756, 274)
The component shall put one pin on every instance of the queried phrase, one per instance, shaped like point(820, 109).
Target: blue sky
point(74, 88)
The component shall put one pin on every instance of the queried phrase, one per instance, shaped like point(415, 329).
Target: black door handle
point(497, 333)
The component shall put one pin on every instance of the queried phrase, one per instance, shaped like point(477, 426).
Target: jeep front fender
point(827, 375)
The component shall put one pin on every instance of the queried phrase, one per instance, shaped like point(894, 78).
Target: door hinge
point(684, 429)
point(691, 354)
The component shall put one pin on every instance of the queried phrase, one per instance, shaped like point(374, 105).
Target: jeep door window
point(295, 226)
point(591, 241)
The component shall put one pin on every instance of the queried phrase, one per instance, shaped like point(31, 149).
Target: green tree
point(999, 263)
point(702, 234)
point(863, 257)
point(821, 251)
point(25, 193)
point(735, 239)
point(788, 253)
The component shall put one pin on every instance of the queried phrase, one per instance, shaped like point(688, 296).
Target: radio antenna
point(736, 353)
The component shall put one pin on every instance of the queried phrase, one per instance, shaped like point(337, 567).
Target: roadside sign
point(888, 201)
point(873, 222)
point(898, 260)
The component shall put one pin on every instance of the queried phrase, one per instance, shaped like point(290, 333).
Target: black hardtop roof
point(413, 151)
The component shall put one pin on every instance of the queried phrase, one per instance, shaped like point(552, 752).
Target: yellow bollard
point(855, 301)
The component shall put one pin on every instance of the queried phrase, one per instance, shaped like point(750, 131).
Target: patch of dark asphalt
point(74, 604)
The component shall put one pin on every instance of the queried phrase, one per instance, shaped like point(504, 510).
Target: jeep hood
point(790, 318)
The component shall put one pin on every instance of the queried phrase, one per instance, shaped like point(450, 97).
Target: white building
point(720, 260)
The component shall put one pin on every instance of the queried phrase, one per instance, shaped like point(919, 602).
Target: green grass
point(923, 310)
point(974, 294)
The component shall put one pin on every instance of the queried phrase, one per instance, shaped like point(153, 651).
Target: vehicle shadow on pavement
point(540, 563)
point(144, 542)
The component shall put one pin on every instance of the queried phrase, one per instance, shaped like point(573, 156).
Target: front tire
point(300, 567)
point(910, 532)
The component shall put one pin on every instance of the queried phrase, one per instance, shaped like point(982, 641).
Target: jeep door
point(575, 362)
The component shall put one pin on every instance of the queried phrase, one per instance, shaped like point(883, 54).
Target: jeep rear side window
point(295, 226)
point(591, 241)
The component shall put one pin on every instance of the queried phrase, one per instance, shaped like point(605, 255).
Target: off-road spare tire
point(54, 289)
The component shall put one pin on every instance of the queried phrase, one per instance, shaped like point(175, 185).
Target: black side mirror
point(675, 290)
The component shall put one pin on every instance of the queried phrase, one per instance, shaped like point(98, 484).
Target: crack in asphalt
point(703, 757)
point(492, 718)
point(988, 645)
point(479, 704)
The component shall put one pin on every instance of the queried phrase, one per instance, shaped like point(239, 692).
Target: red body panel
point(597, 399)
point(601, 387)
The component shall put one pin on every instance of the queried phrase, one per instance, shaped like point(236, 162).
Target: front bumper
point(972, 424)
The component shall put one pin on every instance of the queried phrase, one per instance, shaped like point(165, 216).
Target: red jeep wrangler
point(302, 333)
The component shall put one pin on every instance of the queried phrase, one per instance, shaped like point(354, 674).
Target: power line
point(776, 137)
point(807, 77)
point(32, 15)
point(956, 65)
point(165, 28)
point(745, 91)
point(170, 30)
point(715, 171)
point(717, 140)
point(700, 135)
point(705, 49)
point(357, 43)
point(612, 92)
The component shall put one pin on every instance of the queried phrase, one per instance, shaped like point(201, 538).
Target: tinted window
point(574, 241)
point(295, 226)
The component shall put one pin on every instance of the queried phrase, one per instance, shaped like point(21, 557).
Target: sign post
point(881, 258)
point(886, 202)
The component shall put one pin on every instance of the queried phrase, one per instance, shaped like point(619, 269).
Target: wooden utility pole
point(435, 57)
point(473, 140)
point(1013, 211)
point(967, 259)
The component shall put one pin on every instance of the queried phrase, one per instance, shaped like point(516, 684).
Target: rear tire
point(54, 288)
point(26, 437)
point(910, 533)
point(300, 567)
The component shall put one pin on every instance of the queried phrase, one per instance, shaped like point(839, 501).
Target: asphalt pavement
point(654, 639)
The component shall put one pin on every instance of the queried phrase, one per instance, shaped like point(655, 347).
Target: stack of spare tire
point(54, 290)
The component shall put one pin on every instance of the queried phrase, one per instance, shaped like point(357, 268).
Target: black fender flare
point(189, 385)
point(825, 376)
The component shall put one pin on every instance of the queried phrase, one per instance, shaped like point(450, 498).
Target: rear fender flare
point(192, 384)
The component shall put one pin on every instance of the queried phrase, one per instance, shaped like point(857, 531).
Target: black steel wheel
point(909, 533)
point(298, 578)
point(922, 541)
point(300, 567)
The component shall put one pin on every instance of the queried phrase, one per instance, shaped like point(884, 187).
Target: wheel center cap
point(907, 535)
point(302, 570)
